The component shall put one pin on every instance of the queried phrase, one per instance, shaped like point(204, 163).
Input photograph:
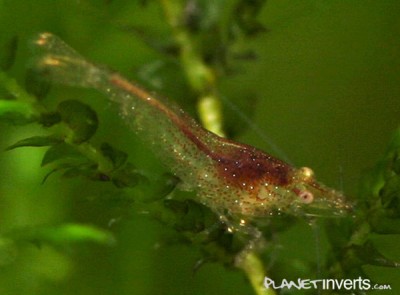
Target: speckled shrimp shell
point(228, 176)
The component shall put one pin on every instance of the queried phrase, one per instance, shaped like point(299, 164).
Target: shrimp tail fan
point(58, 62)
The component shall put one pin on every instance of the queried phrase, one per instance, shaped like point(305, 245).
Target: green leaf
point(246, 12)
point(178, 207)
point(49, 174)
point(170, 181)
point(68, 233)
point(8, 53)
point(60, 152)
point(190, 215)
point(64, 234)
point(395, 142)
point(388, 175)
point(128, 176)
point(382, 183)
point(390, 196)
point(13, 88)
point(385, 225)
point(16, 112)
point(71, 170)
point(117, 157)
point(80, 118)
point(7, 106)
point(369, 254)
point(88, 171)
point(162, 44)
point(35, 141)
point(193, 220)
point(49, 119)
point(162, 187)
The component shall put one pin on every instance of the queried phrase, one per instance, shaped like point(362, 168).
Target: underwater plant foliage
point(85, 205)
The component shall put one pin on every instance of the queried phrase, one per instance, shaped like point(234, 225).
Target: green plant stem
point(14, 89)
point(104, 165)
point(25, 103)
point(253, 267)
point(201, 77)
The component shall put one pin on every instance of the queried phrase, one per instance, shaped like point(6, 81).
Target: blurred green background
point(324, 88)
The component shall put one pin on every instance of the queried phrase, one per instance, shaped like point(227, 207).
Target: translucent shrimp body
point(228, 176)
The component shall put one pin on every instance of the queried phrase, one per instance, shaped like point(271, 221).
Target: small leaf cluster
point(377, 213)
point(217, 31)
point(198, 226)
point(70, 128)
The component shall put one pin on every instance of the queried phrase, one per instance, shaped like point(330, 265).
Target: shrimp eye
point(306, 173)
point(306, 197)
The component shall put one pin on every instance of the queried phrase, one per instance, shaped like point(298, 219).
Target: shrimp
point(227, 176)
